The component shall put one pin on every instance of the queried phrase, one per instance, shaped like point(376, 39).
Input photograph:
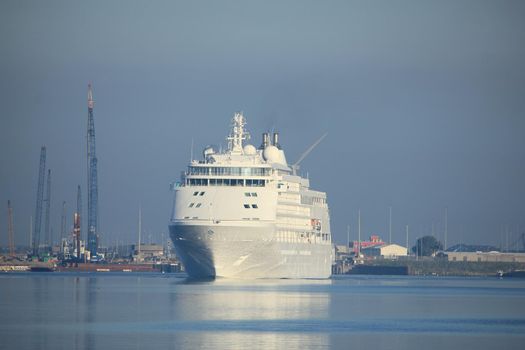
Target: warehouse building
point(387, 251)
point(486, 257)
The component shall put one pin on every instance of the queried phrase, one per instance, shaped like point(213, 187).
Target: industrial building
point(376, 247)
point(148, 252)
point(374, 241)
point(486, 257)
point(387, 251)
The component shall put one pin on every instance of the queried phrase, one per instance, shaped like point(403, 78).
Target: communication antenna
point(237, 133)
point(30, 231)
point(507, 237)
point(48, 235)
point(63, 222)
point(446, 227)
point(10, 229)
point(348, 236)
point(191, 151)
point(408, 251)
point(140, 229)
point(295, 166)
point(390, 226)
point(358, 232)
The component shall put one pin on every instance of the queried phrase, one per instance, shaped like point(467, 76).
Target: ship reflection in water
point(149, 311)
point(257, 315)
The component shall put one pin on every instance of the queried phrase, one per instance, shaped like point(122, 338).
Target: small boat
point(515, 273)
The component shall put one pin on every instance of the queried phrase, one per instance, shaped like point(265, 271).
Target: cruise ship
point(245, 213)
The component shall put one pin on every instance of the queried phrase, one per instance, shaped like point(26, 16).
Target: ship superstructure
point(244, 213)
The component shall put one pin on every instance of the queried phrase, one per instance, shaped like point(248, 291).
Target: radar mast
point(237, 134)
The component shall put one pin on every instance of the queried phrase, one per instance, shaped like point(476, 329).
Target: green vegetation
point(427, 246)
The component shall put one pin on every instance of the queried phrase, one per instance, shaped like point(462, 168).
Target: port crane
point(39, 201)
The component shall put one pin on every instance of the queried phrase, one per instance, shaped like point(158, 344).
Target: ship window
point(247, 194)
point(247, 206)
point(202, 194)
point(230, 171)
point(191, 205)
point(198, 205)
point(255, 183)
point(254, 194)
point(236, 182)
point(195, 193)
point(230, 182)
point(198, 182)
point(254, 206)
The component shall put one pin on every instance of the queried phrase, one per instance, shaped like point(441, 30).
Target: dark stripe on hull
point(194, 253)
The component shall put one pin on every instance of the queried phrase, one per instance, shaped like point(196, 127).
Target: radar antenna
point(295, 166)
point(237, 134)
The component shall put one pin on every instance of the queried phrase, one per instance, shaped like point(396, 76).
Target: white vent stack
point(276, 140)
point(265, 140)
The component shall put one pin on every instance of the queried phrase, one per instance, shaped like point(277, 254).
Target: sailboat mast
point(390, 226)
point(140, 229)
point(359, 232)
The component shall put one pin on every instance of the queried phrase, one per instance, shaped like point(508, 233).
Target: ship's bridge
point(228, 171)
point(242, 164)
point(198, 175)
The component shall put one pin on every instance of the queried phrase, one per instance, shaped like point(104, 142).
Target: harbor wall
point(435, 266)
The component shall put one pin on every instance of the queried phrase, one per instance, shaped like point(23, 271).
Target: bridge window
point(255, 183)
point(254, 206)
point(247, 206)
point(236, 171)
point(198, 182)
point(229, 182)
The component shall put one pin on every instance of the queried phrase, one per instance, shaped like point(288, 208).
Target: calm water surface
point(150, 311)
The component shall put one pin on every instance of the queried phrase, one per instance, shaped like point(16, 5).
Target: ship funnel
point(276, 140)
point(265, 140)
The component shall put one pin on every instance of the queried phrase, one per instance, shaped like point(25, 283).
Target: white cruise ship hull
point(246, 251)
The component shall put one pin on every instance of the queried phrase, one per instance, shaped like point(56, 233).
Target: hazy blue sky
point(424, 103)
